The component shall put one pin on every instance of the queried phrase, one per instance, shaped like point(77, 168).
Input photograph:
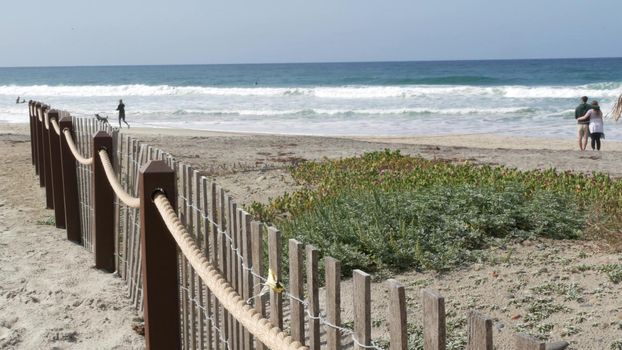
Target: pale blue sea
point(514, 97)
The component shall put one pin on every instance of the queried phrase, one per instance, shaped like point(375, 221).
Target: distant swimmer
point(121, 109)
point(18, 100)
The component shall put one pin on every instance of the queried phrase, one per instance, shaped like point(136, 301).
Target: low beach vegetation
point(384, 211)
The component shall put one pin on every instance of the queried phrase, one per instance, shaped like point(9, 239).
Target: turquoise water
point(518, 97)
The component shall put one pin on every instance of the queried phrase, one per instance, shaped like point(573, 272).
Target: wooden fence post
point(56, 172)
point(257, 255)
point(433, 320)
point(313, 285)
point(47, 166)
point(103, 206)
point(361, 292)
point(70, 184)
point(333, 302)
point(247, 253)
point(224, 250)
point(39, 136)
point(296, 286)
point(525, 342)
point(397, 314)
point(480, 332)
point(159, 260)
point(214, 246)
point(274, 263)
point(33, 140)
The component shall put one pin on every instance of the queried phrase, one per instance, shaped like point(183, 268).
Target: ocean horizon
point(525, 97)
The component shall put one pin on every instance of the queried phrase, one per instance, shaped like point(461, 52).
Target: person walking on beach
point(121, 109)
point(583, 124)
point(596, 127)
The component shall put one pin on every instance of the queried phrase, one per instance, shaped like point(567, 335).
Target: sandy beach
point(52, 297)
point(253, 167)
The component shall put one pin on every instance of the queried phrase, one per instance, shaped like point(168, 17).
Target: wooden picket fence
point(228, 238)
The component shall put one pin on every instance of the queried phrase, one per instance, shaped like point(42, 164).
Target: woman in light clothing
point(595, 116)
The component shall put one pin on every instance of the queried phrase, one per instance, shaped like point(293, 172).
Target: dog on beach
point(102, 119)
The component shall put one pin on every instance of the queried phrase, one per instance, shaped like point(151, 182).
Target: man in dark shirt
point(584, 131)
point(121, 109)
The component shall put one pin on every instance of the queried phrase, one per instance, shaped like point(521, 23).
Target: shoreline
point(484, 140)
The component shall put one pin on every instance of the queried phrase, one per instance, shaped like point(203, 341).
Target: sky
point(130, 32)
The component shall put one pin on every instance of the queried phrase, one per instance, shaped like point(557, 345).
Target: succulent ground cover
point(385, 211)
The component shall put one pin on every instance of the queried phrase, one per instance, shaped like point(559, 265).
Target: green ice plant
point(385, 210)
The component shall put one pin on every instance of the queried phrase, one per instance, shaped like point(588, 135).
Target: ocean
point(508, 97)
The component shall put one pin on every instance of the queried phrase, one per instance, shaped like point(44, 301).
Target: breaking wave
point(598, 90)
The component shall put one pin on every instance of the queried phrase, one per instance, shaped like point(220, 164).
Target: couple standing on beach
point(590, 123)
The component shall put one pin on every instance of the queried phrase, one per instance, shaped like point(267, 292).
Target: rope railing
point(252, 320)
point(125, 197)
point(240, 308)
point(55, 125)
point(74, 149)
point(170, 289)
point(266, 284)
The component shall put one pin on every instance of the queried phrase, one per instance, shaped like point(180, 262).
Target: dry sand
point(556, 282)
point(254, 167)
point(559, 275)
point(50, 295)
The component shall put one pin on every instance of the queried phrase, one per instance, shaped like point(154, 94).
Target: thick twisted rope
point(125, 197)
point(56, 127)
point(258, 326)
point(74, 149)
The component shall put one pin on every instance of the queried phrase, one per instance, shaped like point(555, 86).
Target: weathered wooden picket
point(230, 240)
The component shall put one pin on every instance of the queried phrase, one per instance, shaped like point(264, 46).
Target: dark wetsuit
point(121, 109)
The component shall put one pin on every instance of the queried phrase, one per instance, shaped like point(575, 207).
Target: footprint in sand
point(9, 337)
point(4, 333)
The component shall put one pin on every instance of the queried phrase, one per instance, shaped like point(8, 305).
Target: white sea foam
point(559, 92)
point(325, 110)
point(607, 89)
point(334, 112)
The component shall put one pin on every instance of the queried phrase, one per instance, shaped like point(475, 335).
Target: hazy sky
point(111, 32)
